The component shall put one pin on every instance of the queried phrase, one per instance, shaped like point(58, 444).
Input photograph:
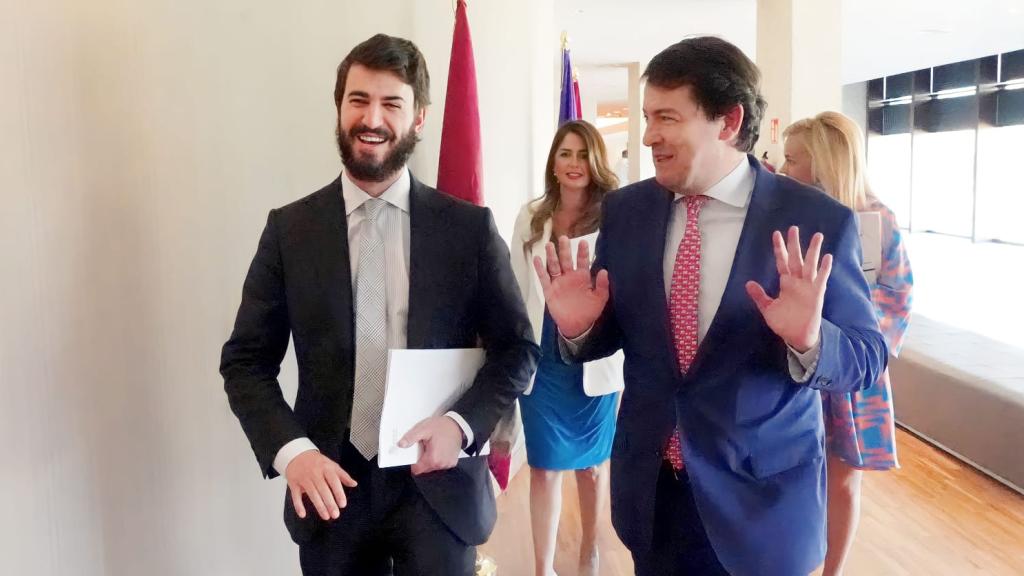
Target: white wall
point(141, 146)
point(798, 52)
point(588, 98)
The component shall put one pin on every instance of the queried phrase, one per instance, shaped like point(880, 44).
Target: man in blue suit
point(717, 465)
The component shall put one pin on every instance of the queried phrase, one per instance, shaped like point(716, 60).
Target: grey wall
point(855, 103)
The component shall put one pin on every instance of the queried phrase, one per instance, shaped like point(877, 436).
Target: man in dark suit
point(717, 464)
point(376, 260)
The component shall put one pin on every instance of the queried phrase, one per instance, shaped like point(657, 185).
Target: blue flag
point(569, 102)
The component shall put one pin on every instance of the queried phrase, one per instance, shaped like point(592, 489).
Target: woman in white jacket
point(569, 410)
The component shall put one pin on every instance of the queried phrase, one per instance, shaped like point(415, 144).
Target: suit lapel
point(649, 259)
point(426, 258)
point(753, 260)
point(332, 259)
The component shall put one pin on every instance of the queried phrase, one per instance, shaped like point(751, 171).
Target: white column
point(799, 54)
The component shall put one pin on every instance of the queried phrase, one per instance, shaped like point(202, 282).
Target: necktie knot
point(695, 203)
point(373, 208)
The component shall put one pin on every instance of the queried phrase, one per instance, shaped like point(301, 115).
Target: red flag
point(460, 171)
point(576, 97)
point(460, 167)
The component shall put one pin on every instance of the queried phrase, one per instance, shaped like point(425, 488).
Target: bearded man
point(375, 261)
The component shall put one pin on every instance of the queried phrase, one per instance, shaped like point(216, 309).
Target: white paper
point(421, 384)
point(870, 225)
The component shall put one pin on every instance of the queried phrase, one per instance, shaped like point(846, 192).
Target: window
point(942, 143)
point(944, 148)
point(1000, 184)
point(889, 173)
point(943, 183)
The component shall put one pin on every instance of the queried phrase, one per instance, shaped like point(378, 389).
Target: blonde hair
point(836, 147)
point(602, 181)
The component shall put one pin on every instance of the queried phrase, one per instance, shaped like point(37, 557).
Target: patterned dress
point(860, 426)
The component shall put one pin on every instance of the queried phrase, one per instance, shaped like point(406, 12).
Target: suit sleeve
point(505, 332)
point(853, 351)
point(251, 358)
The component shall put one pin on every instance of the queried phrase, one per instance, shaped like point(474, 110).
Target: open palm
point(795, 314)
point(575, 300)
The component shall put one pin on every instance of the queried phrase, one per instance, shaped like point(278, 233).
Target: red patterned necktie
point(682, 305)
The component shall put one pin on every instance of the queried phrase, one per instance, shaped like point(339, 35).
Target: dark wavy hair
point(391, 54)
point(720, 76)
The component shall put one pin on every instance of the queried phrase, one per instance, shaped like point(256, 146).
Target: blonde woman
point(827, 151)
point(569, 410)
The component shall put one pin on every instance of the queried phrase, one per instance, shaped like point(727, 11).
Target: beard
point(365, 167)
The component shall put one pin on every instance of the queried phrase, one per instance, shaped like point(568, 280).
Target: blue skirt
point(565, 429)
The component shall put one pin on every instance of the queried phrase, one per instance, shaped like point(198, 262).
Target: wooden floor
point(934, 516)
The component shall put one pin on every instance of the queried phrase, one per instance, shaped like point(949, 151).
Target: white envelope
point(421, 384)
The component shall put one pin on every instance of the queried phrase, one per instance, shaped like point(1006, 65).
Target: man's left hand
point(795, 315)
point(441, 438)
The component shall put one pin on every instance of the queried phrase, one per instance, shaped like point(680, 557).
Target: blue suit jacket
point(752, 437)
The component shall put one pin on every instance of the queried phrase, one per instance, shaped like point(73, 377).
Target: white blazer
point(600, 377)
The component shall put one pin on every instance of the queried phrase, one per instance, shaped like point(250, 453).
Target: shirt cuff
point(289, 451)
point(803, 365)
point(573, 345)
point(467, 432)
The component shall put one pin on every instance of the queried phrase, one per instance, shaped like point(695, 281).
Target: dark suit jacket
point(461, 294)
point(752, 438)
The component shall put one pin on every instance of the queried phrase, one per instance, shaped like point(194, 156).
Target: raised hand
point(574, 300)
point(795, 314)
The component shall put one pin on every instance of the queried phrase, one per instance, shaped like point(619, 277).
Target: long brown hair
point(602, 181)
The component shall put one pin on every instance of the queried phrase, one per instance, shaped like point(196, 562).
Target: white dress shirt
point(394, 225)
point(721, 222)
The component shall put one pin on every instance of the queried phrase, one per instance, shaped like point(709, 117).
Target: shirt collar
point(397, 194)
point(735, 188)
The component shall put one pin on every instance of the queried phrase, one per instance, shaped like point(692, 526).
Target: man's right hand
point(574, 300)
point(322, 480)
